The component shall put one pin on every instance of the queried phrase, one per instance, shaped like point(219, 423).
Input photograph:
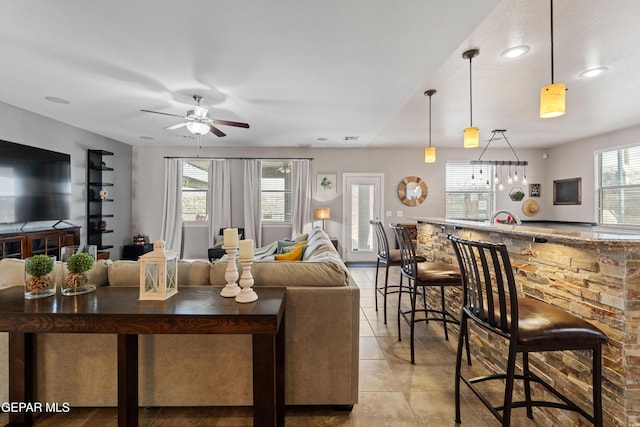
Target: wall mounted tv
point(35, 184)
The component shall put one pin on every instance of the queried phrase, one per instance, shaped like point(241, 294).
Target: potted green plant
point(76, 278)
point(38, 276)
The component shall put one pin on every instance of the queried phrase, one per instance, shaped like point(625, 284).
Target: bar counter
point(592, 274)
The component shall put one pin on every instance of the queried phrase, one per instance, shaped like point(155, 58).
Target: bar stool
point(490, 300)
point(422, 275)
point(386, 257)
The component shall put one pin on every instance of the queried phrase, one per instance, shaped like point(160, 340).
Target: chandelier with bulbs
point(500, 164)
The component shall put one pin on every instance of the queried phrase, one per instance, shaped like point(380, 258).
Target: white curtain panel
point(252, 218)
point(171, 231)
point(300, 196)
point(220, 197)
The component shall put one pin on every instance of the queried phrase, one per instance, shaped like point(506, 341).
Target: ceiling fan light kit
point(198, 128)
point(553, 96)
point(471, 138)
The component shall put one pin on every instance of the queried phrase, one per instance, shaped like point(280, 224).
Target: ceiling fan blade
point(158, 112)
point(176, 126)
point(216, 131)
point(230, 123)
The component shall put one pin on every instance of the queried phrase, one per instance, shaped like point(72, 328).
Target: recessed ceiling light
point(146, 137)
point(592, 72)
point(350, 138)
point(515, 52)
point(56, 100)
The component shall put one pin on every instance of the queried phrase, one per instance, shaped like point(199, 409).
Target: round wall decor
point(412, 191)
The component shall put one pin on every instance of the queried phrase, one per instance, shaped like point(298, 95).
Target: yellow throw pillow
point(293, 255)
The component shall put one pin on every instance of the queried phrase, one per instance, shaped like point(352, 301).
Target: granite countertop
point(556, 232)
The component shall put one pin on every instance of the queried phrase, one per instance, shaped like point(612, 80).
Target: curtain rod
point(239, 158)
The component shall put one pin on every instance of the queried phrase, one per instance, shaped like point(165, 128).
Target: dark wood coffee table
point(194, 310)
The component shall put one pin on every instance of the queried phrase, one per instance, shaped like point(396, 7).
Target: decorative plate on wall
point(412, 191)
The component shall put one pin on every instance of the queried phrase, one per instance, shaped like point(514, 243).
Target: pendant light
point(471, 139)
point(430, 152)
point(553, 96)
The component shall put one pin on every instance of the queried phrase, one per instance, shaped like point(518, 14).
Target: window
point(195, 190)
point(618, 186)
point(275, 192)
point(467, 198)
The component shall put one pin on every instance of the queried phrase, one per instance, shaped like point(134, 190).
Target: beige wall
point(394, 163)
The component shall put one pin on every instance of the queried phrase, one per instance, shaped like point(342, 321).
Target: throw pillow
point(284, 244)
point(219, 241)
point(294, 255)
point(301, 238)
point(288, 249)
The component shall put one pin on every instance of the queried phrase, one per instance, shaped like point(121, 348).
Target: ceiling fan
point(197, 122)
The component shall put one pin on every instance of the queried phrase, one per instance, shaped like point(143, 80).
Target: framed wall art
point(534, 190)
point(326, 183)
point(567, 191)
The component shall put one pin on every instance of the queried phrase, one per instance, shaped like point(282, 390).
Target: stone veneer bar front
point(593, 275)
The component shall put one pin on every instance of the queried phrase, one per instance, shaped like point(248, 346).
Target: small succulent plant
point(39, 265)
point(79, 263)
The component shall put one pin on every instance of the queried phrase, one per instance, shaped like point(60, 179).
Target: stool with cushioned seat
point(422, 275)
point(491, 301)
point(387, 258)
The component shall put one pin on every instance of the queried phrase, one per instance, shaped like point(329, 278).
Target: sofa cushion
point(277, 273)
point(190, 273)
point(11, 272)
point(193, 273)
point(124, 273)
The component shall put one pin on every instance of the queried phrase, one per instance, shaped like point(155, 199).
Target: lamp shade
point(471, 139)
point(430, 155)
point(552, 100)
point(323, 213)
point(197, 128)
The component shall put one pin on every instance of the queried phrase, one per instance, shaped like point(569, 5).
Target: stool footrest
point(566, 403)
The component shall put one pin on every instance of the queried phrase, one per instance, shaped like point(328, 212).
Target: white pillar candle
point(246, 249)
point(231, 237)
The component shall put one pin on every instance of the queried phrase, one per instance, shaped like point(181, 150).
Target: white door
point(362, 202)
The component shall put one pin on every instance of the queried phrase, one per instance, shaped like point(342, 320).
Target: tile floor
point(392, 391)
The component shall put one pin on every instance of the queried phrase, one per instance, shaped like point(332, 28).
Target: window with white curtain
point(618, 186)
point(469, 191)
point(195, 190)
point(275, 192)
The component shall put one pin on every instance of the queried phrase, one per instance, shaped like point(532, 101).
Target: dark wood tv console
point(23, 244)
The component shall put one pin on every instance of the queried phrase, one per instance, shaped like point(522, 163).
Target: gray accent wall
point(24, 127)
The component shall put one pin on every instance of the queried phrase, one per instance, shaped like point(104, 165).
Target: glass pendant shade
point(471, 139)
point(198, 128)
point(552, 100)
point(430, 155)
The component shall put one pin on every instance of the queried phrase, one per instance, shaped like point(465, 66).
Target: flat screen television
point(35, 184)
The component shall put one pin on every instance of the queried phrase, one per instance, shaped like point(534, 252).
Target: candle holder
point(247, 294)
point(231, 274)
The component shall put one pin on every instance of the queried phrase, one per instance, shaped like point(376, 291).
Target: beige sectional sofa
point(321, 332)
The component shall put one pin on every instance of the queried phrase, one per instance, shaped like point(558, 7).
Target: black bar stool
point(490, 300)
point(386, 258)
point(422, 275)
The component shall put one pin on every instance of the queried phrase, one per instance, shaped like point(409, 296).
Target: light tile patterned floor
point(392, 391)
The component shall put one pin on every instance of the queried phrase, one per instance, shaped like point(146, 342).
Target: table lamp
point(323, 213)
